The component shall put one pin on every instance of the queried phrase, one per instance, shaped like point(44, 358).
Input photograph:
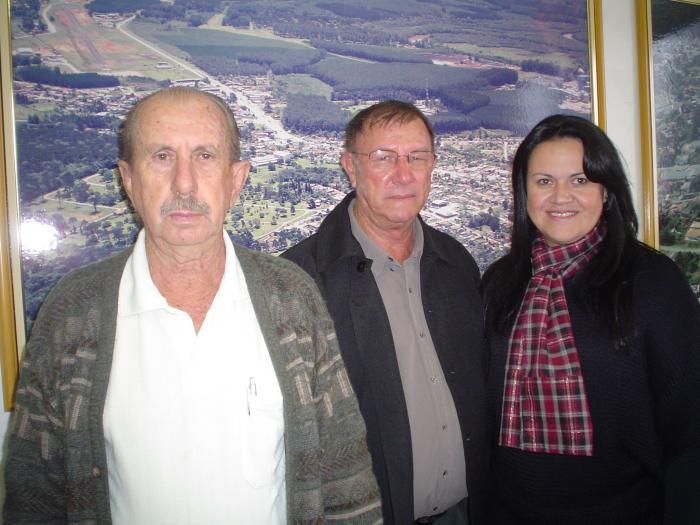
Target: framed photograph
point(294, 72)
point(669, 58)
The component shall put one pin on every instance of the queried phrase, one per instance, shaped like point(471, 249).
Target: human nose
point(184, 181)
point(402, 173)
point(561, 193)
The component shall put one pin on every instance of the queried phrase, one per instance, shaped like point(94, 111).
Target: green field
point(304, 84)
point(511, 55)
point(120, 54)
point(189, 37)
point(23, 112)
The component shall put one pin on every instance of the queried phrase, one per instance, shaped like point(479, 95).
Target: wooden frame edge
point(650, 232)
point(9, 346)
point(596, 62)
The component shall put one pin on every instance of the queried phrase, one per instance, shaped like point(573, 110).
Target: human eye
point(419, 156)
point(205, 155)
point(161, 156)
point(381, 155)
point(580, 180)
point(542, 181)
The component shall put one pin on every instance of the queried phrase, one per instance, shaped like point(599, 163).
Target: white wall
point(621, 91)
point(621, 109)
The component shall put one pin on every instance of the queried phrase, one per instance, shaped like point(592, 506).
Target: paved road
point(261, 117)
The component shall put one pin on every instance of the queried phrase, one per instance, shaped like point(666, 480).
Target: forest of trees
point(377, 53)
point(346, 10)
point(506, 110)
point(312, 113)
point(54, 77)
point(27, 12)
point(348, 77)
point(539, 66)
point(119, 6)
point(55, 152)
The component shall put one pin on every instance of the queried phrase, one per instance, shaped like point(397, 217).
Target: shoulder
point(450, 249)
point(654, 271)
point(92, 280)
point(303, 253)
point(80, 307)
point(494, 272)
point(660, 289)
point(267, 273)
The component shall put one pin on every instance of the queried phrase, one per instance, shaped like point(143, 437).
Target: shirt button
point(422, 334)
point(96, 472)
point(410, 290)
point(444, 427)
point(444, 474)
point(433, 379)
point(435, 509)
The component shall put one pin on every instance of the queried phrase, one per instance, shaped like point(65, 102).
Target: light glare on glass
point(38, 237)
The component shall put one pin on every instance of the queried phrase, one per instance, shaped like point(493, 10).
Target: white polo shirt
point(193, 422)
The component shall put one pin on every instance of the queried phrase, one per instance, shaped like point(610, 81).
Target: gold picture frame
point(650, 219)
point(667, 29)
point(12, 334)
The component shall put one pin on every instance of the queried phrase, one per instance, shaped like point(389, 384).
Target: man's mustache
point(184, 203)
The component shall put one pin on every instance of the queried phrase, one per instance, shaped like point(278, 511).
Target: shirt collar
point(138, 293)
point(374, 252)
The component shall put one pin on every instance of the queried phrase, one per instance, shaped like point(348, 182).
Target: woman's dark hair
point(603, 285)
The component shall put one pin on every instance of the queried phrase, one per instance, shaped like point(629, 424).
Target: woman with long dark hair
point(594, 374)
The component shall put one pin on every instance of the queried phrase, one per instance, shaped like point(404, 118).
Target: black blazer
point(452, 305)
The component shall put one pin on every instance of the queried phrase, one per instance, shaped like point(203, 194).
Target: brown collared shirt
point(439, 471)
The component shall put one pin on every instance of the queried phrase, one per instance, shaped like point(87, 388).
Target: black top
point(449, 288)
point(645, 406)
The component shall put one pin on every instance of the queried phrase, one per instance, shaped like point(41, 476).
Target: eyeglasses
point(386, 159)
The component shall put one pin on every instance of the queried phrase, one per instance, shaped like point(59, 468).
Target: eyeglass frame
point(398, 156)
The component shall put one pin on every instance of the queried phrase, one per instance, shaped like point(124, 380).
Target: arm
point(672, 343)
point(34, 475)
point(349, 489)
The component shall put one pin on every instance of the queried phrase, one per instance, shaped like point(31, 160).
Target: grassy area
point(114, 52)
point(304, 84)
point(514, 56)
point(24, 112)
point(215, 22)
point(265, 213)
point(181, 36)
point(68, 210)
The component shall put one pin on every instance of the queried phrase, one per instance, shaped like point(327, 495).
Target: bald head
point(128, 135)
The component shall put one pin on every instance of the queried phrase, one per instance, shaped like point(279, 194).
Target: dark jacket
point(451, 301)
point(645, 410)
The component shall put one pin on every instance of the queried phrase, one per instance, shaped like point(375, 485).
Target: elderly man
point(188, 380)
point(405, 302)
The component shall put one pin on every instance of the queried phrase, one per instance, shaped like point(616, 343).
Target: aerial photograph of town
point(294, 72)
point(676, 65)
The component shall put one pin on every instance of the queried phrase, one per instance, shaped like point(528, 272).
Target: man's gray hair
point(385, 113)
point(129, 128)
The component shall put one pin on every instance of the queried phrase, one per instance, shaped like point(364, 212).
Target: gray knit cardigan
point(56, 470)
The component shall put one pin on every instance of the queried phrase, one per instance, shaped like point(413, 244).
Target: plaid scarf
point(545, 408)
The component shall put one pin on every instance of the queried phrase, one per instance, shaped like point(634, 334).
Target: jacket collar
point(335, 240)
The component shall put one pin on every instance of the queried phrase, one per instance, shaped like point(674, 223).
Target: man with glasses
point(404, 299)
